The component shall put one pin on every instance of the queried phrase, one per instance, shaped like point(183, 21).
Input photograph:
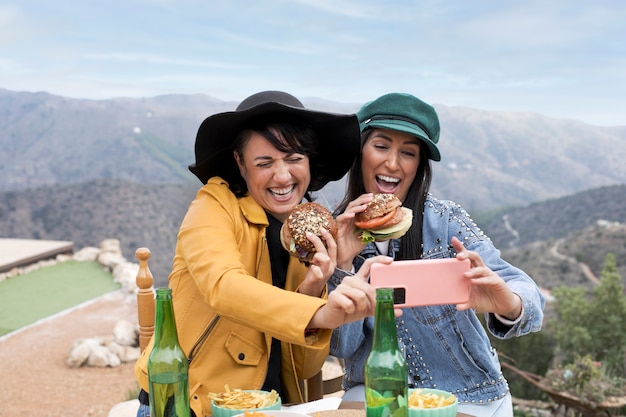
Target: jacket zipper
point(263, 243)
point(203, 337)
point(196, 347)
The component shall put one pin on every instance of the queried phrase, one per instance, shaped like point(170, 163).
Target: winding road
point(554, 251)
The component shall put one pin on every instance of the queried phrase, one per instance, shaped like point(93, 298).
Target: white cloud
point(161, 60)
point(512, 56)
point(349, 8)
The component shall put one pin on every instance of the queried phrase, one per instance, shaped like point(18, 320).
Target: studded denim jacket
point(445, 348)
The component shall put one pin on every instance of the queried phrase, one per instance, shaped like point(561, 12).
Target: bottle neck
point(164, 324)
point(385, 334)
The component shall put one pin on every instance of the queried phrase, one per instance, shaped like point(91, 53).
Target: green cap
point(404, 113)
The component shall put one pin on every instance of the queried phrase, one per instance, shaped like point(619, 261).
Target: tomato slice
point(376, 221)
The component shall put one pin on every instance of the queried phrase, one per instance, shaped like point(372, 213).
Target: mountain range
point(490, 159)
point(88, 170)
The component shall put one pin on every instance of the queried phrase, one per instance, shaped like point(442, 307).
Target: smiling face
point(389, 162)
point(276, 180)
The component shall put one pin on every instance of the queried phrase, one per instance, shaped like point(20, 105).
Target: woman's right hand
point(353, 299)
point(322, 265)
point(348, 241)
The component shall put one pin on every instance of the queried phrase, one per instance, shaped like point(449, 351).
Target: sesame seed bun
point(305, 217)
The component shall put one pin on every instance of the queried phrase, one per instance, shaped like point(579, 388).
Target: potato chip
point(420, 399)
point(243, 399)
point(255, 414)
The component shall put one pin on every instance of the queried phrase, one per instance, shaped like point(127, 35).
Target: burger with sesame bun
point(306, 217)
point(384, 218)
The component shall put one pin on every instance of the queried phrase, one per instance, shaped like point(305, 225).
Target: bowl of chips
point(236, 401)
point(272, 413)
point(428, 402)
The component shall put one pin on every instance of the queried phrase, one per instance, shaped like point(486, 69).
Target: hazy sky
point(560, 58)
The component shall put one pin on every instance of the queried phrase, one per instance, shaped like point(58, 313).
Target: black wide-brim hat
point(338, 136)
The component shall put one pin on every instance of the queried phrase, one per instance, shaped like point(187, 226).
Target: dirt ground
point(35, 381)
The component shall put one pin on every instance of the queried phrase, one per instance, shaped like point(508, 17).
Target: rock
point(110, 260)
point(102, 357)
point(89, 253)
point(124, 409)
point(107, 351)
point(111, 246)
point(80, 352)
point(130, 354)
point(63, 257)
point(125, 273)
point(126, 333)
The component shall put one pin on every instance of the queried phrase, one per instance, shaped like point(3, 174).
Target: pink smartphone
point(424, 282)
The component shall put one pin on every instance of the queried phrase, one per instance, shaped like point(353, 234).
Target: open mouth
point(283, 192)
point(387, 184)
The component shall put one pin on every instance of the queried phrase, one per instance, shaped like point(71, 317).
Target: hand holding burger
point(384, 218)
point(303, 218)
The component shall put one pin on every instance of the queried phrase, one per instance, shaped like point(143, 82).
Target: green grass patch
point(27, 298)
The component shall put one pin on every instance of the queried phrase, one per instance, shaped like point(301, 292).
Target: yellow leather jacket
point(227, 309)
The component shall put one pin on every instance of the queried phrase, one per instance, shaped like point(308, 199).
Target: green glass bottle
point(386, 373)
point(167, 364)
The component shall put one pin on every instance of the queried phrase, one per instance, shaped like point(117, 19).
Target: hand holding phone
point(424, 282)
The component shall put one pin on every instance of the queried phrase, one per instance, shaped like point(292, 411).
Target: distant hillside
point(563, 241)
point(554, 218)
point(490, 159)
point(87, 213)
point(150, 215)
point(576, 259)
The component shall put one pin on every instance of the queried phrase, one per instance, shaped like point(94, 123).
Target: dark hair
point(285, 134)
point(411, 246)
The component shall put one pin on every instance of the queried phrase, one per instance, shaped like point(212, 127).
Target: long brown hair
point(411, 246)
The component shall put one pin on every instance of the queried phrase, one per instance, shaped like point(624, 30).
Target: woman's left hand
point(488, 291)
point(350, 244)
point(322, 266)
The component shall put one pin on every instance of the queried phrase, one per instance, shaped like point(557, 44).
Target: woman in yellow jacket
point(248, 315)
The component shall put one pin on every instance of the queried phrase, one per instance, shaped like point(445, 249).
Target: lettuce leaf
point(367, 237)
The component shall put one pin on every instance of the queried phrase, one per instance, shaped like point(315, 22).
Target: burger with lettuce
point(384, 218)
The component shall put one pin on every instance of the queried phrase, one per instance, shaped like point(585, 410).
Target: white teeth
point(281, 191)
point(388, 179)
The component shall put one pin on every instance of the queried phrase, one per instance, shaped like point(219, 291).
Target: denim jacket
point(445, 348)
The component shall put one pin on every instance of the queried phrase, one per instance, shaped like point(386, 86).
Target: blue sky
point(563, 59)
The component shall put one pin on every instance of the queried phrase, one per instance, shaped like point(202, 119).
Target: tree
point(594, 324)
point(608, 307)
point(570, 326)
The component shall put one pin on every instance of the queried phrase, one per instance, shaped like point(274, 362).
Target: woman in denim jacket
point(446, 346)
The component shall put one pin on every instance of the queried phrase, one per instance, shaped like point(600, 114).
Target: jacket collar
point(371, 250)
point(252, 211)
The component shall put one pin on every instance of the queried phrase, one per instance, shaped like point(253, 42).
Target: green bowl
point(445, 411)
point(219, 411)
